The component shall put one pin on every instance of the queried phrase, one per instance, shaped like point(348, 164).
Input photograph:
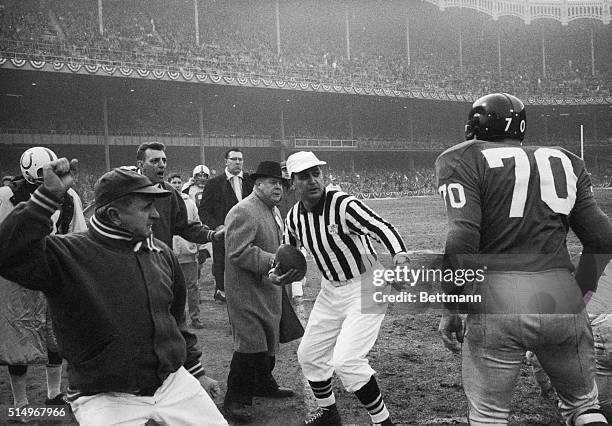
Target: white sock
point(54, 380)
point(18, 386)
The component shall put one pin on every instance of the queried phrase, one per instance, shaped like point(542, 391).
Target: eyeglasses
point(235, 158)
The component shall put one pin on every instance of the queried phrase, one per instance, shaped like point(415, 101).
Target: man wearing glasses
point(220, 194)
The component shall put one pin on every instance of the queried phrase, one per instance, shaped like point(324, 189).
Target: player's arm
point(26, 247)
point(457, 185)
point(594, 230)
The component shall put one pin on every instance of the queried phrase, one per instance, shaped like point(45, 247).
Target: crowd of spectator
point(238, 39)
point(379, 182)
point(364, 183)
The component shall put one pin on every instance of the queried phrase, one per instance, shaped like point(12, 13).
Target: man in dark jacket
point(220, 194)
point(117, 300)
point(151, 162)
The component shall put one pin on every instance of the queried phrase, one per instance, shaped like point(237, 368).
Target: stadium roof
point(563, 11)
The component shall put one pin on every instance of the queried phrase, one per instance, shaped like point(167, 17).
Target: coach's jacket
point(118, 308)
point(254, 304)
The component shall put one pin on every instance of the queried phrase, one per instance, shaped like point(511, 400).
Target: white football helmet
point(32, 161)
point(200, 175)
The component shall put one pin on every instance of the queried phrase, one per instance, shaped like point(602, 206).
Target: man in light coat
point(254, 230)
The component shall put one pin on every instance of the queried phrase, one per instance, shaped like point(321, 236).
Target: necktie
point(237, 185)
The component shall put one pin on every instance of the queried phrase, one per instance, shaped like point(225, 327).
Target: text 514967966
point(37, 413)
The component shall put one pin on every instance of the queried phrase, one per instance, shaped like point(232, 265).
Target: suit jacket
point(218, 198)
point(254, 304)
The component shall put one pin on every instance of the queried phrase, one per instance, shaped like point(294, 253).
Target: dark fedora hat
point(268, 169)
point(119, 182)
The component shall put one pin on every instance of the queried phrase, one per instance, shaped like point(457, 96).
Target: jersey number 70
point(454, 193)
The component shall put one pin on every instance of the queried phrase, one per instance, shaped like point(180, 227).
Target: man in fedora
point(254, 229)
point(117, 299)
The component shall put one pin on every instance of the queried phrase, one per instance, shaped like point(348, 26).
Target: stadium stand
point(238, 39)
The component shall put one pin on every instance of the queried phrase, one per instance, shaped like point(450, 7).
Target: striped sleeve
point(196, 370)
point(289, 235)
point(362, 220)
point(43, 198)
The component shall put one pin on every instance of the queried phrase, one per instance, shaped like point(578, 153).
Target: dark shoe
point(238, 412)
point(197, 324)
point(275, 392)
point(328, 416)
point(387, 422)
point(60, 399)
point(219, 296)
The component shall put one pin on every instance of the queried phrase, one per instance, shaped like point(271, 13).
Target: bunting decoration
point(85, 66)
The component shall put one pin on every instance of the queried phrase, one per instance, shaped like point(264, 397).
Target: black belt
point(74, 395)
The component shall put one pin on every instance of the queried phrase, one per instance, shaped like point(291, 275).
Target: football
point(290, 257)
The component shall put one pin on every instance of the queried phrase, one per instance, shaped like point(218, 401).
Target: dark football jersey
point(513, 205)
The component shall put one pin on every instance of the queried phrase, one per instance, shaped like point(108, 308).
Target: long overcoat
point(252, 236)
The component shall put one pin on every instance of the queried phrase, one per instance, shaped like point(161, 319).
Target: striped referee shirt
point(337, 233)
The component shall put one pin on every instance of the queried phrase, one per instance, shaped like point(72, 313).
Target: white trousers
point(339, 336)
point(180, 400)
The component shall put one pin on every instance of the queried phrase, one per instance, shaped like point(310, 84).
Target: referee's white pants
point(180, 400)
point(338, 336)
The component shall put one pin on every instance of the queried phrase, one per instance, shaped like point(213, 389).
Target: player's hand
point(401, 259)
point(210, 385)
point(59, 176)
point(281, 279)
point(451, 323)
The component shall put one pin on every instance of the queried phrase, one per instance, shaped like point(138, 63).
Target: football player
point(510, 208)
point(195, 185)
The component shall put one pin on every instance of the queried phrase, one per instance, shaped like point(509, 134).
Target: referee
point(336, 229)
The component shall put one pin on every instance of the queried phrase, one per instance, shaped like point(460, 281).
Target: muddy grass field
point(420, 379)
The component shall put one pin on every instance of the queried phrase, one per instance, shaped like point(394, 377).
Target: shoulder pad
point(459, 148)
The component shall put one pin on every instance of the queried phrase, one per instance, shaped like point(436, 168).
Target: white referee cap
point(200, 169)
point(301, 161)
